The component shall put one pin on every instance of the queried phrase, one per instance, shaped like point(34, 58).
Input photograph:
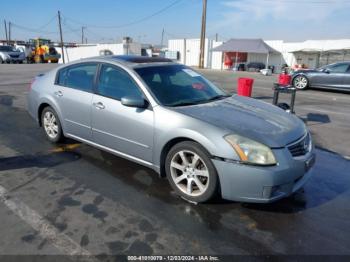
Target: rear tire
point(300, 82)
point(191, 172)
point(51, 125)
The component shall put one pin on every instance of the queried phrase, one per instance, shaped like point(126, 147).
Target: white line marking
point(45, 229)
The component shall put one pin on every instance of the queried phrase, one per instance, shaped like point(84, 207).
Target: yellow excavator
point(42, 51)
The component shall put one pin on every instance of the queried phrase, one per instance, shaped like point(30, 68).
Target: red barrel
point(245, 86)
point(284, 79)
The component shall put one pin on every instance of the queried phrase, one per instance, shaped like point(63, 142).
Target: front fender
point(187, 128)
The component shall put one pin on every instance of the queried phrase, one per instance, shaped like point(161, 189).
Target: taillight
point(31, 83)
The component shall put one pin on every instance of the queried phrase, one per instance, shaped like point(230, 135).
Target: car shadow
point(37, 160)
point(6, 100)
point(336, 91)
point(319, 190)
point(316, 119)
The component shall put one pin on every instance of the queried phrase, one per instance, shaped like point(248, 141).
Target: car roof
point(140, 59)
point(134, 61)
point(131, 61)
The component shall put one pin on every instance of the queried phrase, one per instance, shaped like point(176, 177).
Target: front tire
point(300, 82)
point(191, 173)
point(51, 125)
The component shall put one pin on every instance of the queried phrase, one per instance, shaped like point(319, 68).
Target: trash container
point(284, 79)
point(266, 72)
point(245, 86)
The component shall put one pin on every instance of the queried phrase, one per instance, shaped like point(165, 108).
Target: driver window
point(116, 83)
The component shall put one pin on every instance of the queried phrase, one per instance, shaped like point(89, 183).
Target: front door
point(332, 76)
point(346, 79)
point(128, 130)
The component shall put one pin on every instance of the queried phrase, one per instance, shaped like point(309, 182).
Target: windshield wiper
point(217, 97)
point(186, 104)
point(201, 101)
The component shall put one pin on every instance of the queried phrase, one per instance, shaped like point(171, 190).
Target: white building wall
point(192, 52)
point(189, 50)
point(216, 57)
point(86, 51)
point(178, 45)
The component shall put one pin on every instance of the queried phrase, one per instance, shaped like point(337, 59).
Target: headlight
point(251, 151)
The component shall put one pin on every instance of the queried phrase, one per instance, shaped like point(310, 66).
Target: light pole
point(202, 41)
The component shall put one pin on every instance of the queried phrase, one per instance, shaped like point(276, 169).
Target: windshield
point(7, 48)
point(178, 85)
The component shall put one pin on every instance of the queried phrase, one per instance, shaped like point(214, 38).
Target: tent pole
point(267, 60)
point(236, 61)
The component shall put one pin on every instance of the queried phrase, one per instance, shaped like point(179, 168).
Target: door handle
point(99, 105)
point(58, 93)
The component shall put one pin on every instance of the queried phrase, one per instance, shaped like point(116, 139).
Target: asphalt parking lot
point(74, 199)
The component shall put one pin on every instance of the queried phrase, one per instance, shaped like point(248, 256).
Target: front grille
point(14, 56)
point(301, 147)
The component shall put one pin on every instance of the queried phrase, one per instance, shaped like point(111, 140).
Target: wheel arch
point(40, 111)
point(166, 148)
point(45, 103)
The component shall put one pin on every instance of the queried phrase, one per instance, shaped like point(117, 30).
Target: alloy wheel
point(300, 82)
point(50, 125)
point(189, 173)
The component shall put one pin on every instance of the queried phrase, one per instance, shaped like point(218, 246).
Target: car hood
point(249, 117)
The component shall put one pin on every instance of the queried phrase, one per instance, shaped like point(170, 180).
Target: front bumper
point(264, 184)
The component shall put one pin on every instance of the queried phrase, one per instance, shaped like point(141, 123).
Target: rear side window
point(79, 77)
point(61, 77)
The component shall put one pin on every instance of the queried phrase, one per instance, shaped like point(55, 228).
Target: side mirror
point(134, 101)
point(326, 70)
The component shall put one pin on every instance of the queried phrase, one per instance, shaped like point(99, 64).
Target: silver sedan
point(168, 117)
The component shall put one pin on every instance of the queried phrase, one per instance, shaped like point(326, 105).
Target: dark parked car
point(255, 66)
point(333, 76)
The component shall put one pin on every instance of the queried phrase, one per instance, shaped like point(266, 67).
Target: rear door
point(73, 93)
point(128, 130)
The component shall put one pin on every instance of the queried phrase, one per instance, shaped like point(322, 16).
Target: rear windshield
point(178, 85)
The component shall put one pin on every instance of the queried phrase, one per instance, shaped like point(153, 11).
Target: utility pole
point(7, 40)
point(161, 42)
point(9, 33)
point(60, 27)
point(202, 41)
point(82, 34)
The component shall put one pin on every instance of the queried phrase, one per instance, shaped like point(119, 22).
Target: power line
point(130, 23)
point(32, 29)
point(37, 30)
point(49, 22)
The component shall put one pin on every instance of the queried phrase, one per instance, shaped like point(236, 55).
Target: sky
point(144, 20)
